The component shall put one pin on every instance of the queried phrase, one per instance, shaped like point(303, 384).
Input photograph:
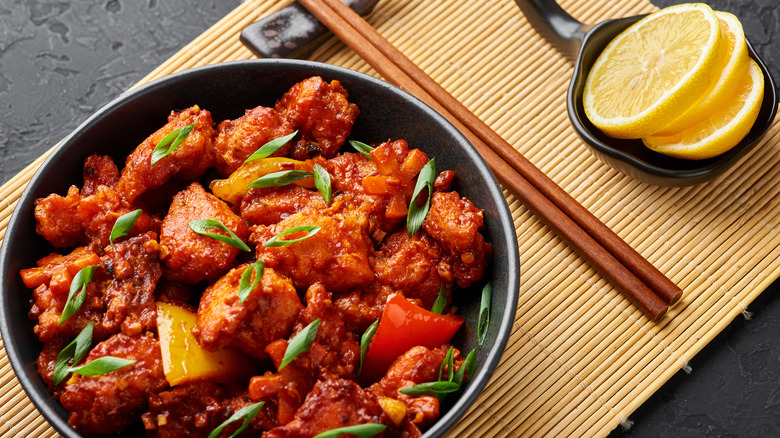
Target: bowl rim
point(46, 405)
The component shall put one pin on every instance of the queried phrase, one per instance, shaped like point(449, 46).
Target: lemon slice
point(732, 64)
point(651, 72)
point(723, 129)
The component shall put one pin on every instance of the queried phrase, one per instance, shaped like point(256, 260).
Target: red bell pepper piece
point(404, 325)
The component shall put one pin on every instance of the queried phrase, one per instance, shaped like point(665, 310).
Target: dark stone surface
point(62, 60)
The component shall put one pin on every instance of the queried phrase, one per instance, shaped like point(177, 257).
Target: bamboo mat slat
point(580, 358)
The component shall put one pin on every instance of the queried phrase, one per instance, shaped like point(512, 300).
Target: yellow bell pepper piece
point(233, 189)
point(183, 358)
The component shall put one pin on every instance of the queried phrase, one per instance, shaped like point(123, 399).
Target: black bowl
point(226, 90)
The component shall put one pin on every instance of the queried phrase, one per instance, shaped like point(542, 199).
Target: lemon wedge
point(732, 64)
point(653, 71)
point(723, 129)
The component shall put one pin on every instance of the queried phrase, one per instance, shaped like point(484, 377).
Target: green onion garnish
point(467, 369)
point(244, 288)
point(365, 341)
point(322, 182)
point(78, 292)
point(276, 242)
point(362, 148)
point(278, 179)
point(361, 430)
point(440, 303)
point(247, 414)
point(416, 214)
point(300, 343)
point(447, 364)
point(431, 388)
point(269, 148)
point(484, 314)
point(170, 142)
point(123, 225)
point(78, 348)
point(201, 225)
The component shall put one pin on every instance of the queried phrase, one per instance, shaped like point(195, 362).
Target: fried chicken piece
point(109, 403)
point(134, 265)
point(119, 297)
point(194, 409)
point(188, 256)
point(330, 405)
point(334, 354)
point(322, 114)
point(455, 223)
point(416, 266)
point(189, 161)
point(238, 139)
point(336, 256)
point(418, 365)
point(268, 313)
point(267, 206)
point(99, 170)
point(78, 219)
point(343, 350)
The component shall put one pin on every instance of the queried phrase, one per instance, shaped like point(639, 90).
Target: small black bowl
point(632, 157)
point(582, 44)
point(227, 90)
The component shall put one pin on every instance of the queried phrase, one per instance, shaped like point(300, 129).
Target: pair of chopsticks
point(627, 270)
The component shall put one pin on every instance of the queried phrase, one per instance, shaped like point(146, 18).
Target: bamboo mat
point(581, 358)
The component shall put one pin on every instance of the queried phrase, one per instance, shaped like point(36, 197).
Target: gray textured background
point(62, 60)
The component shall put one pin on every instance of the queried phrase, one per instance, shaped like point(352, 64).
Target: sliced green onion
point(361, 430)
point(365, 341)
point(245, 414)
point(467, 369)
point(269, 148)
point(201, 225)
point(484, 314)
point(244, 288)
point(300, 343)
point(447, 364)
point(123, 225)
point(416, 214)
point(170, 142)
point(276, 242)
point(322, 182)
point(362, 148)
point(440, 303)
point(77, 349)
point(431, 388)
point(102, 365)
point(78, 292)
point(279, 179)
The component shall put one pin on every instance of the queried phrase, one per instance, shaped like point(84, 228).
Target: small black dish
point(581, 44)
point(227, 90)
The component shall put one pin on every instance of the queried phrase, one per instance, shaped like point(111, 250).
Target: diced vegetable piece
point(396, 206)
point(395, 410)
point(413, 164)
point(385, 159)
point(402, 326)
point(381, 185)
point(234, 187)
point(183, 358)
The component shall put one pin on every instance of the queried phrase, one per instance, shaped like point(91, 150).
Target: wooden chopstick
point(626, 269)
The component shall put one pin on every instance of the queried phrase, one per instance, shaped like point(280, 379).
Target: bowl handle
point(559, 28)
